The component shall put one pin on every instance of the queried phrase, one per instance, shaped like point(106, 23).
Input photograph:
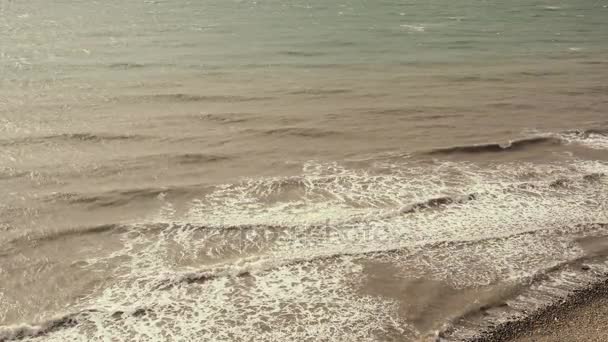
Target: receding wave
point(68, 320)
point(26, 331)
point(30, 331)
point(250, 267)
point(547, 288)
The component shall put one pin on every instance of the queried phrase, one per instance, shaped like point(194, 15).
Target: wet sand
point(583, 316)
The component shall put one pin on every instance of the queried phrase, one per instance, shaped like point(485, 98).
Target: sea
point(298, 170)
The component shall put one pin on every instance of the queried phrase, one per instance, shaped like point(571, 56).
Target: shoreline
point(576, 317)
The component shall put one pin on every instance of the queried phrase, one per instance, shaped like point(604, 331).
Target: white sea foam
point(591, 140)
point(199, 282)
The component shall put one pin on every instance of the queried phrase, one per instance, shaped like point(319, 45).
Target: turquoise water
point(72, 39)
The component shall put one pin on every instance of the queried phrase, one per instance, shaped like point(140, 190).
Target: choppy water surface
point(297, 170)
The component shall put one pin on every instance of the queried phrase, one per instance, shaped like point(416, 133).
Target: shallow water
point(280, 170)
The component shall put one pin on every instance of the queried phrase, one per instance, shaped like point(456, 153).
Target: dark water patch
point(417, 113)
point(300, 132)
point(336, 43)
point(594, 177)
point(71, 138)
point(196, 158)
point(320, 66)
point(96, 137)
point(594, 62)
point(219, 118)
point(126, 196)
point(187, 159)
point(298, 65)
point(182, 97)
point(463, 42)
point(117, 198)
point(474, 78)
point(436, 116)
point(495, 147)
point(395, 111)
point(434, 126)
point(302, 53)
point(559, 40)
point(126, 66)
point(594, 244)
point(462, 45)
point(574, 92)
point(561, 183)
point(595, 90)
point(511, 106)
point(47, 236)
point(436, 203)
point(542, 73)
point(320, 92)
point(227, 118)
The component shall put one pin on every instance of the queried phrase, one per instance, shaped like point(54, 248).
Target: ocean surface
point(352, 170)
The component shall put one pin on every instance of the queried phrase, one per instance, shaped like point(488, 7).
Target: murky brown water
point(350, 199)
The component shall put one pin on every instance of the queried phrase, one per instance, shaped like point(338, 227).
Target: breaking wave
point(593, 138)
point(286, 256)
point(494, 147)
